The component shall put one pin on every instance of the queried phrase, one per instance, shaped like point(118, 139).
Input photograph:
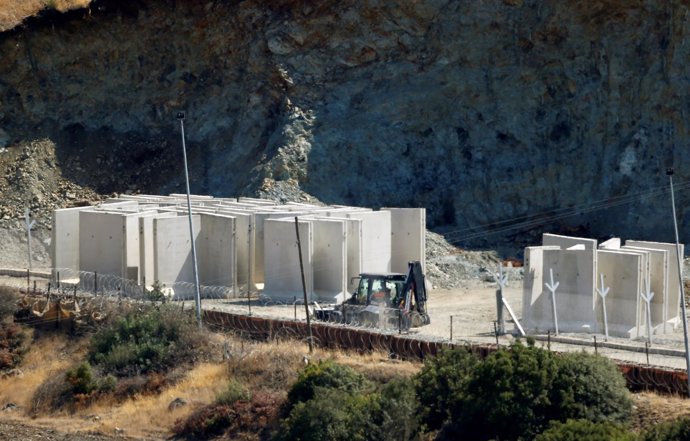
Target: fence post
point(294, 304)
point(496, 333)
point(28, 280)
point(596, 349)
point(34, 287)
point(95, 283)
point(58, 280)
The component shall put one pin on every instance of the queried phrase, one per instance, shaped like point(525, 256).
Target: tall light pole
point(180, 117)
point(669, 172)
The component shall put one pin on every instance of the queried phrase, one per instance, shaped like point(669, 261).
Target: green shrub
point(506, 397)
point(584, 430)
point(325, 375)
point(235, 391)
point(156, 294)
point(678, 430)
point(590, 387)
point(142, 342)
point(396, 417)
point(331, 415)
point(81, 379)
point(441, 383)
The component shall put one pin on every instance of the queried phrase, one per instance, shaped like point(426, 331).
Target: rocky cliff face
point(482, 111)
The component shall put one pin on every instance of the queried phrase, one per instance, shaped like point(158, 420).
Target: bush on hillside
point(234, 391)
point(325, 375)
point(14, 343)
point(396, 417)
point(590, 387)
point(506, 397)
point(145, 341)
point(584, 430)
point(441, 383)
point(254, 417)
point(331, 415)
point(678, 430)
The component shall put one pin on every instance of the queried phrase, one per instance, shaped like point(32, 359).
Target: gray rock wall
point(482, 111)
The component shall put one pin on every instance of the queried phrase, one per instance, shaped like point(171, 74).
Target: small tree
point(440, 385)
point(325, 375)
point(589, 387)
point(506, 397)
point(331, 415)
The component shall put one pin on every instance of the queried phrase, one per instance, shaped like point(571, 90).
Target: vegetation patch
point(247, 417)
point(153, 340)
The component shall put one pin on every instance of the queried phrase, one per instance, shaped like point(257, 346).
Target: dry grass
point(651, 409)
point(13, 12)
point(45, 357)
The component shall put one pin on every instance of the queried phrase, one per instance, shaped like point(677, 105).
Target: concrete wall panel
point(101, 242)
point(376, 240)
point(330, 259)
point(283, 281)
point(673, 287)
point(217, 251)
point(408, 234)
point(536, 301)
point(575, 272)
point(566, 242)
point(658, 277)
point(173, 250)
point(623, 275)
point(64, 248)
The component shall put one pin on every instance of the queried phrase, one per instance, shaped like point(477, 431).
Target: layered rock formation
point(482, 111)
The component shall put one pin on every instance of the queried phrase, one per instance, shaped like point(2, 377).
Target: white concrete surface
point(408, 237)
point(283, 282)
point(565, 242)
point(217, 251)
point(330, 259)
point(173, 251)
point(673, 287)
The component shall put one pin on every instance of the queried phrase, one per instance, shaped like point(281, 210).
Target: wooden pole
point(304, 285)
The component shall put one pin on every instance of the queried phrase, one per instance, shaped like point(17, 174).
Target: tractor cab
point(385, 290)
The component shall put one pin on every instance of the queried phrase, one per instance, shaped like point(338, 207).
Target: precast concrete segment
point(574, 270)
point(658, 272)
point(536, 306)
point(217, 251)
point(101, 242)
point(567, 241)
point(673, 292)
point(612, 244)
point(283, 281)
point(330, 259)
point(652, 279)
point(408, 230)
point(64, 247)
point(173, 251)
point(376, 240)
point(623, 275)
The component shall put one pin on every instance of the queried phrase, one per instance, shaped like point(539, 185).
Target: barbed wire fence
point(232, 312)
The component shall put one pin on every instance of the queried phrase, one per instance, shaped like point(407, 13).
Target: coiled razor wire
point(364, 336)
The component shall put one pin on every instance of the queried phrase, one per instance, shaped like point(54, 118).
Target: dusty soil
point(12, 430)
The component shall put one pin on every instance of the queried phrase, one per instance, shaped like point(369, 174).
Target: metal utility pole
point(669, 172)
point(29, 225)
point(181, 116)
point(304, 285)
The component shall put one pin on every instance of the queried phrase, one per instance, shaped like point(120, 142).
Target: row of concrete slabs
point(630, 290)
point(241, 243)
